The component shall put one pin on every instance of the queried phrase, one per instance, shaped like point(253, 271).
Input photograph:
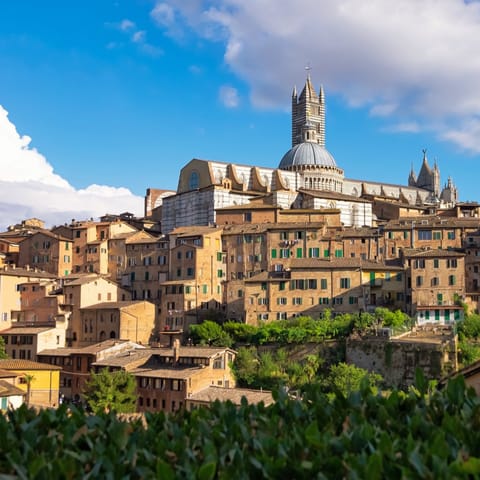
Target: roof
point(8, 390)
point(234, 395)
point(307, 153)
point(18, 364)
point(194, 230)
point(175, 373)
point(333, 195)
point(89, 349)
point(25, 330)
point(431, 252)
point(124, 359)
point(7, 374)
point(249, 206)
point(24, 272)
point(114, 305)
point(85, 279)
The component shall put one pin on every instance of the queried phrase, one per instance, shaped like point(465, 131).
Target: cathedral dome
point(307, 154)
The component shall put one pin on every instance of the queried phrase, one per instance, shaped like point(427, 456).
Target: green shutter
point(274, 253)
point(299, 252)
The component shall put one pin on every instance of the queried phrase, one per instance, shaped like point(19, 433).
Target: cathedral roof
point(307, 153)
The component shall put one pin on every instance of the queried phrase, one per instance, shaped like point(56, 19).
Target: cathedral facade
point(307, 176)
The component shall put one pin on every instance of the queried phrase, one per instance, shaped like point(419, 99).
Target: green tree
point(470, 326)
point(245, 366)
point(210, 333)
point(347, 378)
point(111, 391)
point(29, 378)
point(3, 353)
point(391, 319)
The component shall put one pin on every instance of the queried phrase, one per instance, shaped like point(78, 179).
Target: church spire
point(308, 109)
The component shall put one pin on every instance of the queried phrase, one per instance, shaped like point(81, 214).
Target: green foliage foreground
point(418, 434)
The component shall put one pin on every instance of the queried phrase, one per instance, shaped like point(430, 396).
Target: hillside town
point(241, 243)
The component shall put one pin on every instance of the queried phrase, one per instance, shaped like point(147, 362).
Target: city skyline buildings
point(149, 88)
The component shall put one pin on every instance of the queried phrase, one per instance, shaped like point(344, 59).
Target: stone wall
point(396, 358)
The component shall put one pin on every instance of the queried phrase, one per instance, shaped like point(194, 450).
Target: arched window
point(112, 334)
point(194, 181)
point(102, 336)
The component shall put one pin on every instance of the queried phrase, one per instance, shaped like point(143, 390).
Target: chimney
point(176, 350)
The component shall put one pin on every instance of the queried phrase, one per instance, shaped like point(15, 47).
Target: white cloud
point(414, 60)
point(139, 37)
point(127, 25)
point(229, 96)
point(163, 14)
point(31, 188)
point(405, 127)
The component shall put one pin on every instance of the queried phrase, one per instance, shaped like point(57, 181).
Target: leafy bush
point(210, 333)
point(418, 434)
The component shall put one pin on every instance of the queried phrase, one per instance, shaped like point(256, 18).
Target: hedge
point(417, 434)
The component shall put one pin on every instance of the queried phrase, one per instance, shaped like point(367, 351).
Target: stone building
point(39, 381)
point(128, 320)
point(435, 284)
point(307, 177)
point(48, 252)
point(197, 272)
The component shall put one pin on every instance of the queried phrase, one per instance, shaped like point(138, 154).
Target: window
point(323, 300)
point(284, 253)
point(326, 253)
point(338, 253)
point(263, 301)
point(281, 301)
point(299, 252)
point(451, 235)
point(345, 282)
point(274, 253)
point(419, 281)
point(314, 252)
point(352, 300)
point(398, 277)
point(247, 217)
point(204, 289)
point(451, 263)
point(297, 300)
point(435, 282)
point(452, 280)
point(419, 263)
point(190, 272)
point(338, 301)
point(281, 315)
point(312, 283)
point(323, 284)
point(283, 235)
point(424, 234)
point(220, 273)
point(194, 182)
point(436, 262)
point(437, 235)
point(264, 286)
point(282, 285)
point(439, 298)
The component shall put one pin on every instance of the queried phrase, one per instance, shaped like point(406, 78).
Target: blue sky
point(117, 96)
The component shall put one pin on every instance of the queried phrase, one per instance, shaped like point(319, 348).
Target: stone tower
point(308, 109)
